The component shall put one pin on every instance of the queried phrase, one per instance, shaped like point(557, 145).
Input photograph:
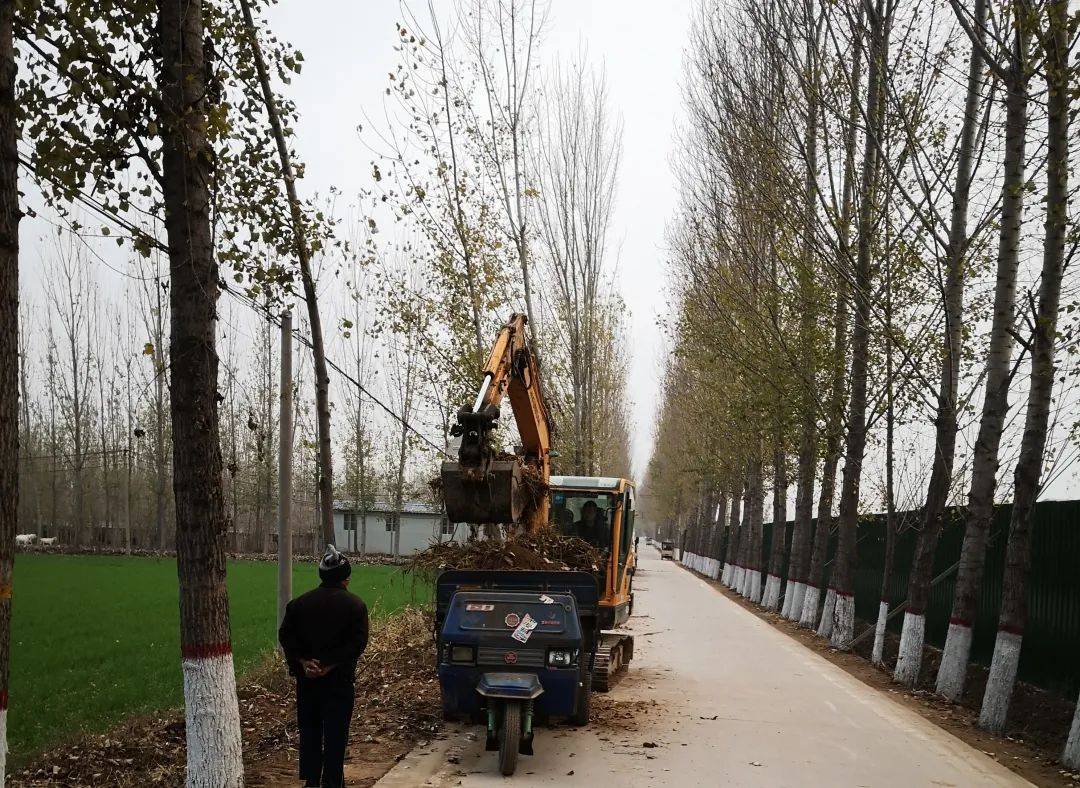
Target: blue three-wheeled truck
point(514, 648)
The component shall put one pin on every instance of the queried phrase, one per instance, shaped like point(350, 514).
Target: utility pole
point(285, 440)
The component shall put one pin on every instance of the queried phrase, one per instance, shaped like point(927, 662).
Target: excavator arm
point(484, 486)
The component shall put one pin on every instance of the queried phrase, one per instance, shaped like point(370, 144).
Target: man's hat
point(334, 566)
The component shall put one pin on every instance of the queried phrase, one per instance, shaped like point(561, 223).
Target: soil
point(397, 704)
point(1038, 721)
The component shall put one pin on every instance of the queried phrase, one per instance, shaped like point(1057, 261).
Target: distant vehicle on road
point(667, 549)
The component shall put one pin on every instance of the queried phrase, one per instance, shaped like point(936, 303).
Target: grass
point(95, 639)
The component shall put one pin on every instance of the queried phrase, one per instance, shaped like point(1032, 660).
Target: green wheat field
point(96, 639)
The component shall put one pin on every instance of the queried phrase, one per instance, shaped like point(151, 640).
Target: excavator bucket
point(495, 497)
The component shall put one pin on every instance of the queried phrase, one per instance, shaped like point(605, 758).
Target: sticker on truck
point(524, 629)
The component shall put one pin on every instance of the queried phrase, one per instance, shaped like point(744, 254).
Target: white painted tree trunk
point(825, 625)
point(808, 615)
point(954, 661)
point(798, 596)
point(909, 660)
point(877, 657)
point(1070, 758)
point(725, 576)
point(4, 743)
point(770, 600)
point(214, 758)
point(843, 629)
point(755, 586)
point(995, 705)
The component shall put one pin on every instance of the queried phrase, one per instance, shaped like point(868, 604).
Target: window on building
point(447, 526)
point(392, 522)
point(350, 521)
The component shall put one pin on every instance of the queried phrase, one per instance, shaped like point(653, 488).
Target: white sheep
point(25, 538)
point(47, 540)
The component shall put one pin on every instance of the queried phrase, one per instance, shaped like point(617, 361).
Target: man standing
point(323, 634)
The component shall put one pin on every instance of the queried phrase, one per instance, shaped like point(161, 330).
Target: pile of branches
point(545, 550)
point(397, 699)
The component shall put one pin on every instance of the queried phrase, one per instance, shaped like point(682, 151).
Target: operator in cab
point(591, 525)
point(323, 634)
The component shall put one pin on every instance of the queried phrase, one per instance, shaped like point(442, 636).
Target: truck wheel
point(510, 739)
point(581, 711)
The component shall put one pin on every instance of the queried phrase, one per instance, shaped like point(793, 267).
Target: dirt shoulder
point(1038, 721)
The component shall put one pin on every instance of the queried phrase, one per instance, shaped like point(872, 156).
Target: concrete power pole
point(285, 438)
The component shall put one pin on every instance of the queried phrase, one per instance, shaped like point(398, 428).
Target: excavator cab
point(601, 510)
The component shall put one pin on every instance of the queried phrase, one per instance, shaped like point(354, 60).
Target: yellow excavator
point(485, 486)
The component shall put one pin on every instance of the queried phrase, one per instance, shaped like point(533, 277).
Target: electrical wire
point(109, 215)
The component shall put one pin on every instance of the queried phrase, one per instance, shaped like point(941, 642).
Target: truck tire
point(510, 738)
point(581, 711)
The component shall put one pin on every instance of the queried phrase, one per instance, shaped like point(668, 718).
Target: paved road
point(737, 703)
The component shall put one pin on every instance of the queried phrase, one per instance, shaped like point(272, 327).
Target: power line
point(109, 215)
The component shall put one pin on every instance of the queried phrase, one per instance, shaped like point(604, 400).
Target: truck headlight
point(560, 658)
point(462, 654)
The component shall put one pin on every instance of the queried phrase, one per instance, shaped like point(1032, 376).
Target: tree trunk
point(77, 447)
point(159, 425)
point(771, 599)
point(980, 512)
point(756, 504)
point(10, 214)
point(1029, 466)
point(890, 498)
point(811, 563)
point(937, 494)
point(807, 460)
point(808, 613)
point(731, 556)
point(303, 257)
point(718, 535)
point(843, 574)
point(212, 716)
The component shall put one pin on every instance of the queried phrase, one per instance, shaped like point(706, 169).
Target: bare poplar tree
point(302, 246)
point(504, 36)
point(843, 578)
point(937, 494)
point(1011, 66)
point(577, 161)
point(1055, 43)
point(71, 293)
point(212, 714)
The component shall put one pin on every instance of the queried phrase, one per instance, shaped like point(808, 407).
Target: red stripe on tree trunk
point(1011, 629)
point(842, 593)
point(206, 650)
point(960, 622)
point(3, 700)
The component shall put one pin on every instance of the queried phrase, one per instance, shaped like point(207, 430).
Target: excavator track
point(613, 653)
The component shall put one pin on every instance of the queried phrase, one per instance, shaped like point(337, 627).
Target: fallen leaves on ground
point(397, 697)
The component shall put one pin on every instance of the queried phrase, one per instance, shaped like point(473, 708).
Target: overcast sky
point(348, 51)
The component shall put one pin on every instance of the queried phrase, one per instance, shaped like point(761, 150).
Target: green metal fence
point(1051, 651)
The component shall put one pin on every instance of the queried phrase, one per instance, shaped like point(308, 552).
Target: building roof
point(385, 507)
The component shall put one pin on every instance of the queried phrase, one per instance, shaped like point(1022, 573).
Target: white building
point(421, 524)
